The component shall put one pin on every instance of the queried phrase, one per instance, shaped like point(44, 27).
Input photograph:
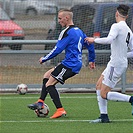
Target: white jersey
point(120, 38)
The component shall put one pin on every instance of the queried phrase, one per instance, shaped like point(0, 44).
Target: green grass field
point(15, 117)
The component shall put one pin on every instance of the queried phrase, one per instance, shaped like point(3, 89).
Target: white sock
point(116, 96)
point(102, 103)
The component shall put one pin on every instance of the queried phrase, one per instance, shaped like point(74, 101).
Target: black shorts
point(62, 73)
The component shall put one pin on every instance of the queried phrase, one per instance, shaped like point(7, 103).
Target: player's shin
point(116, 96)
point(54, 96)
point(102, 103)
point(44, 91)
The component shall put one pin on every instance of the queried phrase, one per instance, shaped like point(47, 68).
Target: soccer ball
point(42, 112)
point(22, 89)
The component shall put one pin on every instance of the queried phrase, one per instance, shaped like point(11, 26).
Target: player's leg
point(115, 96)
point(119, 97)
point(102, 104)
point(60, 74)
point(44, 91)
point(40, 103)
point(110, 82)
point(50, 86)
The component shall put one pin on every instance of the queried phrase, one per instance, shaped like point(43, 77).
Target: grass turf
point(15, 117)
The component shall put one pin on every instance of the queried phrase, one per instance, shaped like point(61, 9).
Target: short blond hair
point(68, 11)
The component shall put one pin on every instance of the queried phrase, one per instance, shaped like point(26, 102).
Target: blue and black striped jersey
point(71, 39)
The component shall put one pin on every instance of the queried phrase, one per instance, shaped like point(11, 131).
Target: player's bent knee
point(98, 86)
point(103, 94)
point(48, 73)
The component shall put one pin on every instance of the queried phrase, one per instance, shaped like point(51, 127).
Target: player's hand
point(40, 60)
point(89, 39)
point(92, 65)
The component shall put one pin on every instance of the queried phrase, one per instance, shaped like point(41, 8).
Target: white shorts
point(112, 75)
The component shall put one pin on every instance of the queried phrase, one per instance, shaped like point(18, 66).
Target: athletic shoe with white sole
point(102, 119)
point(98, 120)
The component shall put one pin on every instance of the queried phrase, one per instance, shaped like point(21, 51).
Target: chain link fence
point(38, 19)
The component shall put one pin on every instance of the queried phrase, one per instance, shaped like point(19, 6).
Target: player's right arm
point(52, 54)
point(111, 36)
point(105, 40)
point(60, 46)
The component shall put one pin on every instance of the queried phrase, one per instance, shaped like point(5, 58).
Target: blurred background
point(37, 20)
point(39, 17)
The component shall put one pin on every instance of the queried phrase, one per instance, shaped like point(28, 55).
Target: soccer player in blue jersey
point(71, 39)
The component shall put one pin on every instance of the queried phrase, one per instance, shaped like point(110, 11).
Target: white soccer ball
point(42, 112)
point(22, 89)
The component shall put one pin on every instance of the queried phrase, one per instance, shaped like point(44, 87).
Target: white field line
point(65, 97)
point(42, 121)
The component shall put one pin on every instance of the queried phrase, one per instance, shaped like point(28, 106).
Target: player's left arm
point(130, 54)
point(130, 46)
point(91, 55)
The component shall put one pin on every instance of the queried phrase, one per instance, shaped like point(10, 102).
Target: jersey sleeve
point(60, 46)
point(91, 52)
point(54, 52)
point(111, 36)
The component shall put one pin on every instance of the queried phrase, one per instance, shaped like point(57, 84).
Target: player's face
point(62, 19)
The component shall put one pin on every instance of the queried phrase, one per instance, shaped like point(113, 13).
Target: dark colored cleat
point(131, 101)
point(35, 106)
point(105, 121)
point(132, 107)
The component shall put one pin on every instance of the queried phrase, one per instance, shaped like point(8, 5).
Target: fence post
point(11, 9)
point(123, 82)
point(4, 4)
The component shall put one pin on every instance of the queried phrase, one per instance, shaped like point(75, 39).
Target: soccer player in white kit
point(121, 39)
